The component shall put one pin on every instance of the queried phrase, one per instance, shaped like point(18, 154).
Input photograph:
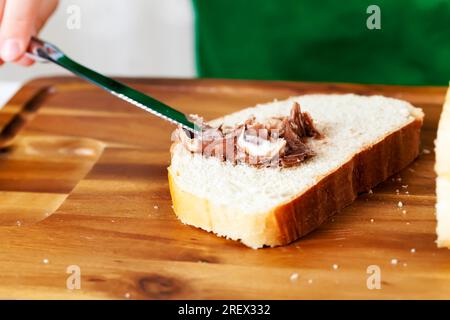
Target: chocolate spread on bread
point(279, 142)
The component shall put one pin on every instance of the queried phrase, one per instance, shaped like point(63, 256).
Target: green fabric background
point(324, 40)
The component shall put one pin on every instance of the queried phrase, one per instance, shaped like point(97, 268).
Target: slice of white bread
point(443, 176)
point(366, 139)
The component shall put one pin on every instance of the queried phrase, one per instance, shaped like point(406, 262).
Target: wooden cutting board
point(85, 184)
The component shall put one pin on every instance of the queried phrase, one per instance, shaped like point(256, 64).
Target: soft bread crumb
point(442, 168)
point(254, 190)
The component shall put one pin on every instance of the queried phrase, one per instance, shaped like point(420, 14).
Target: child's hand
point(19, 20)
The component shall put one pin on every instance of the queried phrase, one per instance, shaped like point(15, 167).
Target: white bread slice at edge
point(367, 139)
point(442, 168)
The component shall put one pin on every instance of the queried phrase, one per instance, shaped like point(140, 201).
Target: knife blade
point(44, 51)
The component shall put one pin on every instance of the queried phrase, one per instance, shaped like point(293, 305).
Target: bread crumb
point(394, 261)
point(413, 250)
point(399, 179)
point(127, 295)
point(370, 191)
point(84, 152)
point(45, 261)
point(408, 223)
point(18, 223)
point(405, 186)
point(335, 266)
point(404, 211)
point(310, 281)
point(405, 264)
point(426, 151)
point(294, 276)
point(371, 220)
point(397, 191)
point(400, 204)
point(155, 207)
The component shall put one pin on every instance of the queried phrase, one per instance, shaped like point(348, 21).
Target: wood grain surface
point(84, 184)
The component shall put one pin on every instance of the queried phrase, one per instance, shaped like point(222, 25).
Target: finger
point(17, 25)
point(25, 61)
point(2, 6)
point(46, 9)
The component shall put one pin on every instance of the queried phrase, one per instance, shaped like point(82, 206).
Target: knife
point(43, 51)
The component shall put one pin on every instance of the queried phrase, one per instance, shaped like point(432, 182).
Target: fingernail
point(10, 50)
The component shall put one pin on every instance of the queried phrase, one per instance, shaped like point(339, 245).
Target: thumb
point(17, 26)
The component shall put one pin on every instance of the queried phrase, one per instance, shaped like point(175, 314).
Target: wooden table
point(85, 185)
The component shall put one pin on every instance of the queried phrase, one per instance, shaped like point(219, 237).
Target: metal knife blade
point(44, 51)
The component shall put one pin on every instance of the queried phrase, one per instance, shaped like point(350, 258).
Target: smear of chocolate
point(224, 142)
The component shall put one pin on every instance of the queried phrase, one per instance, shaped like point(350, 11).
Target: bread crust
point(306, 211)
